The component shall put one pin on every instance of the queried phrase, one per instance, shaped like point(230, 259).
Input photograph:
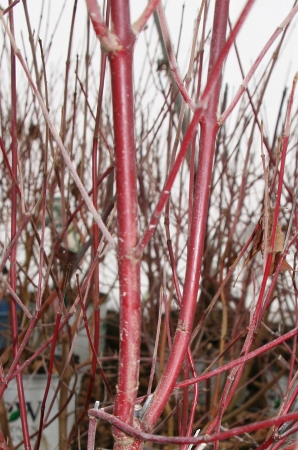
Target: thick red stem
point(121, 63)
point(209, 129)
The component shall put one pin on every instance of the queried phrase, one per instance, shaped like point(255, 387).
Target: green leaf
point(14, 416)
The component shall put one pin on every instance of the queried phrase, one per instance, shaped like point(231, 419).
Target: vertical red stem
point(126, 183)
point(13, 255)
point(209, 127)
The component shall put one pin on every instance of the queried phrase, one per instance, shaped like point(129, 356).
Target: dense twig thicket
point(131, 195)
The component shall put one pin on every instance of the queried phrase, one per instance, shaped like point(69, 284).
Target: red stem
point(21, 349)
point(41, 250)
point(216, 68)
point(10, 6)
point(81, 204)
point(91, 433)
point(86, 283)
point(109, 40)
point(15, 183)
point(209, 129)
point(224, 436)
point(241, 360)
point(236, 373)
point(56, 136)
point(191, 179)
point(13, 242)
point(50, 372)
point(95, 287)
point(121, 63)
point(172, 58)
point(251, 72)
point(91, 343)
point(139, 24)
point(13, 255)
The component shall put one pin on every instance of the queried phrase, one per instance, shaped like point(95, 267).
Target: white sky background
point(264, 18)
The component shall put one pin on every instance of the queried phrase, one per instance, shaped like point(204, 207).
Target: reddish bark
point(209, 127)
point(126, 185)
point(13, 230)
